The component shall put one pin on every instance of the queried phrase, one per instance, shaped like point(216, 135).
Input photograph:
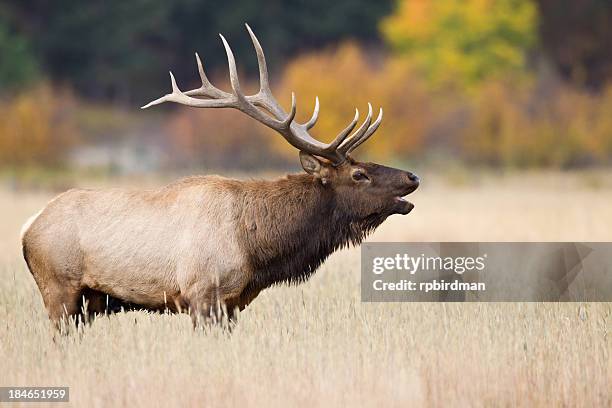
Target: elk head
point(364, 188)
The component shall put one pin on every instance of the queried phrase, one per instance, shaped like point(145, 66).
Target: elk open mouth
point(399, 199)
point(403, 206)
point(402, 200)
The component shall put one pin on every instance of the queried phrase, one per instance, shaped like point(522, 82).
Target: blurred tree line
point(121, 50)
point(577, 37)
point(514, 83)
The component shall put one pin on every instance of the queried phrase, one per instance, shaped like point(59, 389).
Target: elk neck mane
point(289, 226)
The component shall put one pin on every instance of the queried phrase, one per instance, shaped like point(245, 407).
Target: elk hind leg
point(62, 303)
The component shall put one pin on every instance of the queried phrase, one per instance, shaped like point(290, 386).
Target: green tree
point(122, 49)
point(463, 42)
point(577, 37)
point(18, 67)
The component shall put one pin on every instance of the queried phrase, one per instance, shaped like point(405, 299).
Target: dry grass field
point(318, 345)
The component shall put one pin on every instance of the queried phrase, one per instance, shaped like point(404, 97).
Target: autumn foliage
point(526, 126)
point(463, 42)
point(219, 138)
point(456, 80)
point(349, 78)
point(37, 127)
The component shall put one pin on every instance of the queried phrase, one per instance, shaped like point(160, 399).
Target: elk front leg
point(240, 303)
point(212, 303)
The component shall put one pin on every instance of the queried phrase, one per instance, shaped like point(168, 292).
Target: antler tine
point(233, 71)
point(178, 96)
point(359, 132)
point(286, 123)
point(264, 84)
point(207, 88)
point(242, 102)
point(315, 115)
point(368, 133)
point(333, 146)
point(264, 97)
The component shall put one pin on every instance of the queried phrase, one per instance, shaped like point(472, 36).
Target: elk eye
point(359, 176)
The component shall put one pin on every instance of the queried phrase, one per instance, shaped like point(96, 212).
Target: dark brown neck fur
point(291, 225)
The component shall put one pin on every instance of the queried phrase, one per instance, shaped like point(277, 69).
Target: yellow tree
point(462, 42)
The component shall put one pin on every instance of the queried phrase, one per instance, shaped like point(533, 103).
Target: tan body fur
point(154, 248)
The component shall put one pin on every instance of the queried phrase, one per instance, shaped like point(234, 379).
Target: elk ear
point(310, 164)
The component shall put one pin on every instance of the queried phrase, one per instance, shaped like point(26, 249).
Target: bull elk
point(205, 242)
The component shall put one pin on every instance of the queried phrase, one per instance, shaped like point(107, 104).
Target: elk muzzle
point(410, 182)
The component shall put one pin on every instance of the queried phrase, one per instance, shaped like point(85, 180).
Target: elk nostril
point(413, 177)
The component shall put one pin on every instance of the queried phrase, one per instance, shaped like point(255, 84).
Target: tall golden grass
point(317, 344)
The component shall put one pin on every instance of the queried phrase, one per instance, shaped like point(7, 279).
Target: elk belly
point(143, 273)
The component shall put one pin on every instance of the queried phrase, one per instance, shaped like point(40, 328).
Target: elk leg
point(210, 308)
point(61, 303)
point(246, 298)
point(208, 314)
point(198, 314)
point(240, 303)
point(199, 306)
point(93, 302)
point(57, 275)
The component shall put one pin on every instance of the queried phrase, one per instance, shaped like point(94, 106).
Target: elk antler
point(276, 118)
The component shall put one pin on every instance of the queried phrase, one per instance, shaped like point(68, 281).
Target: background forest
point(504, 83)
